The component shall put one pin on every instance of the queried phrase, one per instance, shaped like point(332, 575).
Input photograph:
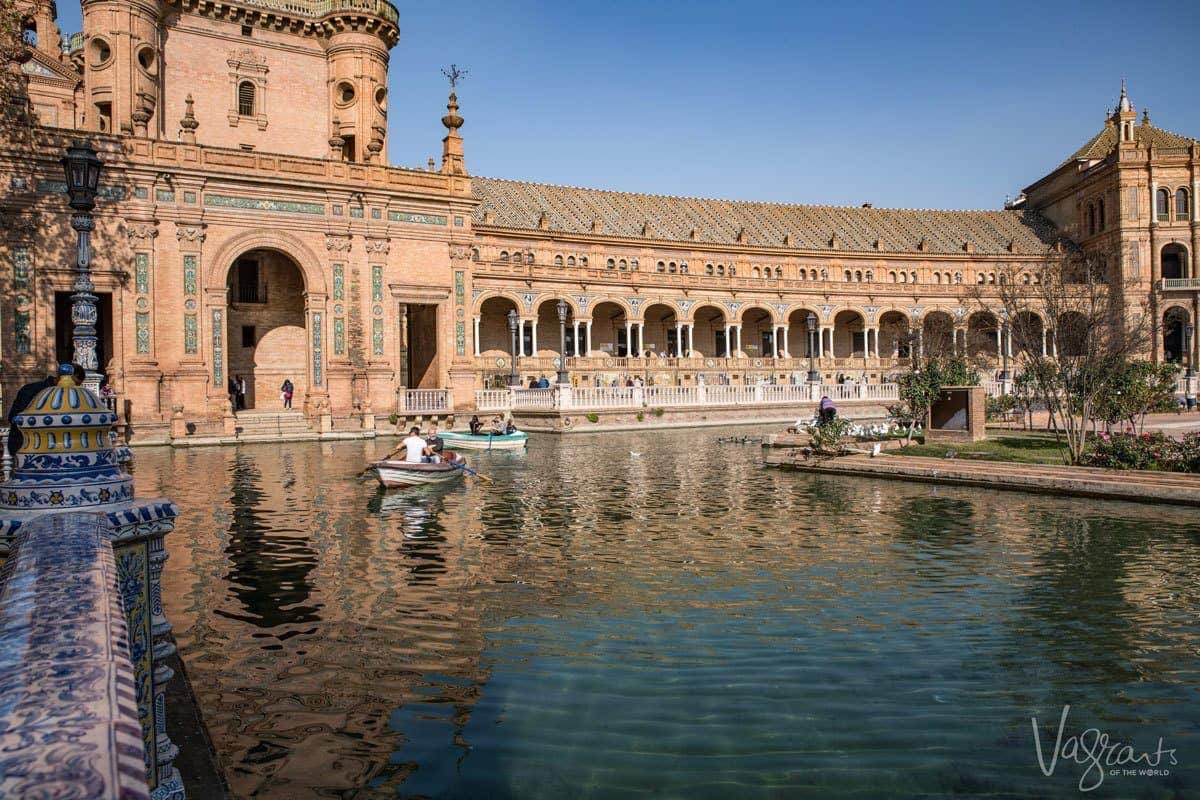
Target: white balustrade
point(533, 399)
point(425, 401)
point(493, 399)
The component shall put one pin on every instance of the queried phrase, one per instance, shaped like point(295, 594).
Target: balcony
point(1177, 284)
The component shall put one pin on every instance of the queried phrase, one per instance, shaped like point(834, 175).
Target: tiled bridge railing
point(70, 714)
point(615, 397)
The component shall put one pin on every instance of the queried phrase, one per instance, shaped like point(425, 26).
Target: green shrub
point(827, 437)
point(1000, 406)
point(393, 418)
point(593, 417)
point(640, 416)
point(658, 412)
point(1153, 451)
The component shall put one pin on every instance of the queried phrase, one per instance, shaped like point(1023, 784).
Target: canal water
point(656, 615)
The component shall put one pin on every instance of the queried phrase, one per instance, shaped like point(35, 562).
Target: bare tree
point(1072, 326)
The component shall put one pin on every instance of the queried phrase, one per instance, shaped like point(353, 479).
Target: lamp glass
point(811, 321)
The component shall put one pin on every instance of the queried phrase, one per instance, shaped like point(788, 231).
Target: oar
point(473, 472)
point(363, 474)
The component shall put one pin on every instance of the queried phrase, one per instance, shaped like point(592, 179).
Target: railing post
point(757, 394)
point(565, 398)
point(701, 395)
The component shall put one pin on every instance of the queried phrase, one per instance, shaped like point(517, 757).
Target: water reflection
point(678, 623)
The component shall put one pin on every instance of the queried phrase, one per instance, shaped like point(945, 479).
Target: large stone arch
point(752, 305)
point(217, 266)
point(477, 303)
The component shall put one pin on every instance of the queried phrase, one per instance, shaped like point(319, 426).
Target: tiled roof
point(1105, 141)
point(521, 206)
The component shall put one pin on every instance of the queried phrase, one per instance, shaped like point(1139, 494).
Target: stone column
point(1043, 341)
point(588, 336)
point(533, 342)
point(575, 339)
point(999, 352)
point(628, 338)
point(477, 352)
point(678, 339)
point(728, 340)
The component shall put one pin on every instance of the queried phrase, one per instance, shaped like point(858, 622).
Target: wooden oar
point(363, 474)
point(465, 468)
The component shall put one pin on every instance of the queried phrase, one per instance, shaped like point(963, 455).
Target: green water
point(677, 623)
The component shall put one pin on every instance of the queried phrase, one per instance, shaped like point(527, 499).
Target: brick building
point(250, 225)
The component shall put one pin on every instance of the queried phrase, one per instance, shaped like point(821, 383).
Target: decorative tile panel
point(416, 219)
point(106, 191)
point(339, 282)
point(460, 338)
point(190, 335)
point(460, 287)
point(22, 268)
point(339, 336)
point(263, 204)
point(318, 361)
point(356, 212)
point(21, 329)
point(377, 336)
point(164, 195)
point(141, 273)
point(218, 348)
point(143, 332)
point(190, 269)
point(376, 284)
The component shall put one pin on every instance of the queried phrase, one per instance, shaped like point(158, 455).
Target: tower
point(40, 28)
point(358, 62)
point(122, 57)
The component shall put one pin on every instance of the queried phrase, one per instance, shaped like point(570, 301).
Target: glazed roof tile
point(520, 206)
point(1105, 141)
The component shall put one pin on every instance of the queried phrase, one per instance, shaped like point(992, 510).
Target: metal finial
point(454, 75)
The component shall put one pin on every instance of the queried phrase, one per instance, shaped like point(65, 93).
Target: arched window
point(504, 255)
point(671, 267)
point(1181, 204)
point(683, 268)
point(914, 278)
point(779, 273)
point(633, 264)
point(754, 271)
point(981, 278)
point(958, 277)
point(570, 261)
point(246, 99)
point(1091, 219)
point(937, 278)
point(858, 276)
point(611, 263)
point(720, 269)
point(558, 261)
point(29, 33)
point(474, 253)
point(708, 269)
point(1162, 202)
point(529, 258)
point(661, 266)
point(1101, 220)
point(846, 276)
point(803, 274)
point(583, 261)
point(733, 269)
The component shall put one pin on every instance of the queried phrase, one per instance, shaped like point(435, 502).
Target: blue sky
point(912, 105)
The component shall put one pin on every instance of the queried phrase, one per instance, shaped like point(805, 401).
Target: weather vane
point(454, 75)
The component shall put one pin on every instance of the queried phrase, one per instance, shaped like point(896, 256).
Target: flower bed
point(1152, 451)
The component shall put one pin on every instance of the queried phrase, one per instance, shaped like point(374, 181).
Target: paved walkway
point(1172, 424)
point(1136, 485)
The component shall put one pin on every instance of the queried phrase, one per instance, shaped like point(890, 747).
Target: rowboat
point(394, 474)
point(485, 441)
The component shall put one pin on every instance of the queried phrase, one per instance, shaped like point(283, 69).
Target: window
point(558, 261)
point(623, 264)
point(1091, 219)
point(661, 266)
point(474, 253)
point(504, 255)
point(529, 258)
point(248, 337)
point(571, 261)
point(846, 276)
point(247, 30)
point(247, 282)
point(345, 94)
point(1181, 204)
point(246, 99)
point(720, 269)
point(633, 264)
point(708, 269)
point(1162, 201)
point(583, 262)
point(611, 263)
point(671, 267)
point(754, 271)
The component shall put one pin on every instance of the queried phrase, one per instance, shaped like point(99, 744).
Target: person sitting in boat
point(826, 411)
point(416, 451)
point(510, 427)
point(497, 426)
point(475, 425)
point(436, 442)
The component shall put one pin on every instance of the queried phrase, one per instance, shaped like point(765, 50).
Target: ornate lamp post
point(1004, 341)
point(563, 309)
point(811, 322)
point(82, 169)
point(513, 379)
point(1191, 370)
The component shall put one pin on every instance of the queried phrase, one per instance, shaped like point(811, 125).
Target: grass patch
point(1025, 448)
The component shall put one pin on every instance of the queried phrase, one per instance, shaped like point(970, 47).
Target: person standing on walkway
point(231, 388)
point(241, 393)
point(286, 391)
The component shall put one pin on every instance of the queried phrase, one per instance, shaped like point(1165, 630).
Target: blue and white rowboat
point(485, 441)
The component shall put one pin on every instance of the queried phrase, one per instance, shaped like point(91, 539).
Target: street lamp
point(1187, 346)
point(563, 310)
point(813, 375)
point(513, 379)
point(81, 167)
point(1004, 340)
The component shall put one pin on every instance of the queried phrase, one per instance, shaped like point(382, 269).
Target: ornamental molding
point(528, 298)
point(190, 233)
point(635, 304)
point(826, 311)
point(460, 252)
point(141, 230)
point(337, 243)
point(379, 245)
point(22, 226)
point(583, 301)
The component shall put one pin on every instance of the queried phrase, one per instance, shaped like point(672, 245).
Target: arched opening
point(1182, 207)
point(610, 336)
point(937, 334)
point(659, 333)
point(801, 344)
point(1071, 336)
point(495, 339)
point(894, 334)
point(758, 333)
point(849, 335)
point(266, 330)
point(1174, 262)
point(1028, 334)
point(1162, 203)
point(1175, 321)
point(549, 335)
point(708, 332)
point(983, 336)
point(245, 99)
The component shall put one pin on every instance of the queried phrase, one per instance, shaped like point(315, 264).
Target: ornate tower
point(358, 62)
point(122, 56)
point(39, 24)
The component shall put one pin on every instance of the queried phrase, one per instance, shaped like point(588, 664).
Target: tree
point(1136, 389)
point(922, 384)
point(13, 53)
point(1092, 327)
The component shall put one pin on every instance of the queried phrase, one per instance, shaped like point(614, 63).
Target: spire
point(1124, 116)
point(189, 123)
point(452, 147)
point(1124, 105)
